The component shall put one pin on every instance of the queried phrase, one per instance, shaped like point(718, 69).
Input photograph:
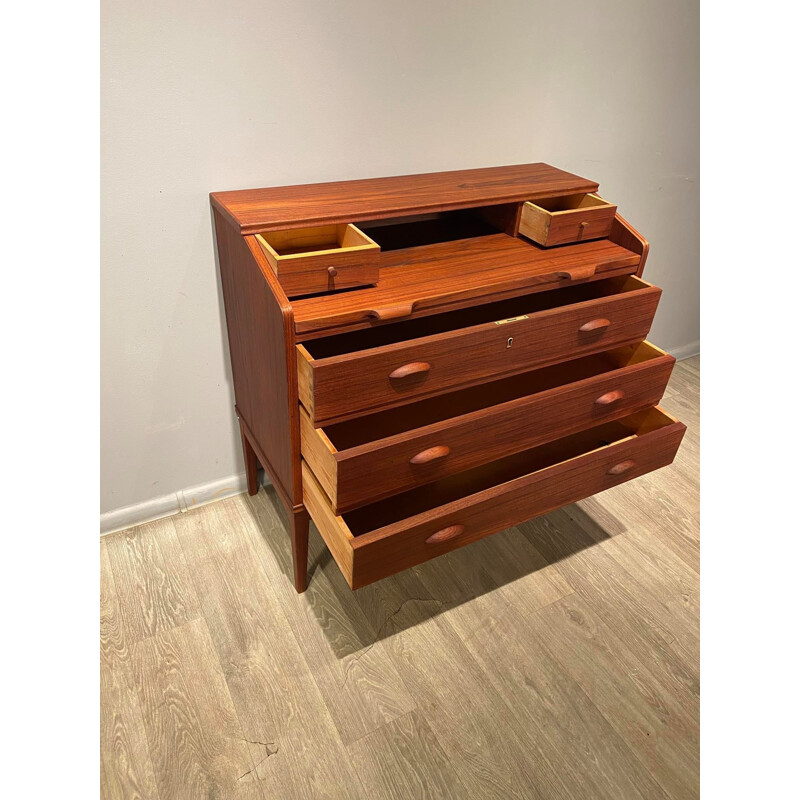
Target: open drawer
point(364, 371)
point(561, 220)
point(369, 458)
point(321, 259)
point(391, 535)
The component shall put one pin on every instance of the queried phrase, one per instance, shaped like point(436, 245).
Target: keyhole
point(510, 342)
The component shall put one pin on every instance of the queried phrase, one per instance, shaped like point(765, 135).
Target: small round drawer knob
point(609, 398)
point(445, 534)
point(333, 272)
point(431, 454)
point(622, 467)
point(415, 368)
point(594, 325)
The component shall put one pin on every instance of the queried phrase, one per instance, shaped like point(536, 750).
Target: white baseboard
point(173, 503)
point(686, 350)
point(195, 496)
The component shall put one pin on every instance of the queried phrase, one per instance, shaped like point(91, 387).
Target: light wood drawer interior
point(362, 460)
point(382, 538)
point(562, 220)
point(364, 371)
point(319, 259)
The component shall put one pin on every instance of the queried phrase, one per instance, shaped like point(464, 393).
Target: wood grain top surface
point(448, 275)
point(255, 210)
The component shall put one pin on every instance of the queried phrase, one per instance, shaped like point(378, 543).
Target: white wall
point(202, 96)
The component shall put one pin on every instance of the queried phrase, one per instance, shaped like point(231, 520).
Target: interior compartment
point(424, 498)
point(425, 229)
point(322, 239)
point(464, 318)
point(571, 202)
point(353, 433)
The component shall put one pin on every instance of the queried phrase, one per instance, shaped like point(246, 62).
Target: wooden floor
point(558, 659)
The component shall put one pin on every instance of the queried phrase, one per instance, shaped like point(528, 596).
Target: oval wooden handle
point(623, 466)
point(582, 230)
point(414, 368)
point(431, 454)
point(392, 312)
point(594, 325)
point(333, 272)
point(609, 397)
point(445, 533)
point(577, 273)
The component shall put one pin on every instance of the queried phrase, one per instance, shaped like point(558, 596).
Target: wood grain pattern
point(293, 743)
point(195, 739)
point(554, 712)
point(640, 708)
point(361, 686)
point(332, 528)
point(625, 235)
point(420, 281)
point(593, 691)
point(126, 770)
point(382, 539)
point(254, 210)
point(397, 450)
point(261, 340)
point(450, 242)
point(567, 219)
point(404, 759)
point(321, 259)
point(153, 588)
point(359, 382)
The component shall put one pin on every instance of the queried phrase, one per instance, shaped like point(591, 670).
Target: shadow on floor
point(353, 620)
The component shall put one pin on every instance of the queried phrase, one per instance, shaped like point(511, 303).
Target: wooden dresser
point(422, 361)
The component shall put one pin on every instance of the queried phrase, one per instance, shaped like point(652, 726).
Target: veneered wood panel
point(380, 468)
point(396, 547)
point(625, 235)
point(418, 281)
point(255, 210)
point(356, 383)
point(261, 340)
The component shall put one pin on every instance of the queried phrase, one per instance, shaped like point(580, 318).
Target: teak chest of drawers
point(425, 360)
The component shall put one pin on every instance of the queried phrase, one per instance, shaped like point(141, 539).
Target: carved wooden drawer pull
point(392, 312)
point(431, 454)
point(594, 325)
point(414, 368)
point(623, 466)
point(577, 273)
point(609, 397)
point(445, 534)
point(333, 272)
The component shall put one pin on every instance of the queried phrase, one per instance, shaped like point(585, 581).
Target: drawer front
point(590, 224)
point(400, 545)
point(395, 548)
point(378, 469)
point(327, 273)
point(321, 259)
point(349, 385)
point(565, 226)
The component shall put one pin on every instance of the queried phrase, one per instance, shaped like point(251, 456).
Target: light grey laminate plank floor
point(557, 659)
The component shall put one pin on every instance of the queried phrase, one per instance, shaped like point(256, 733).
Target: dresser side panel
point(261, 339)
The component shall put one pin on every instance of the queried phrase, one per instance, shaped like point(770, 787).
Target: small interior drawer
point(561, 220)
point(366, 371)
point(321, 259)
point(370, 458)
point(386, 537)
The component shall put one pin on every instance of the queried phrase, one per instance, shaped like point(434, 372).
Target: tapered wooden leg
point(299, 523)
point(250, 463)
